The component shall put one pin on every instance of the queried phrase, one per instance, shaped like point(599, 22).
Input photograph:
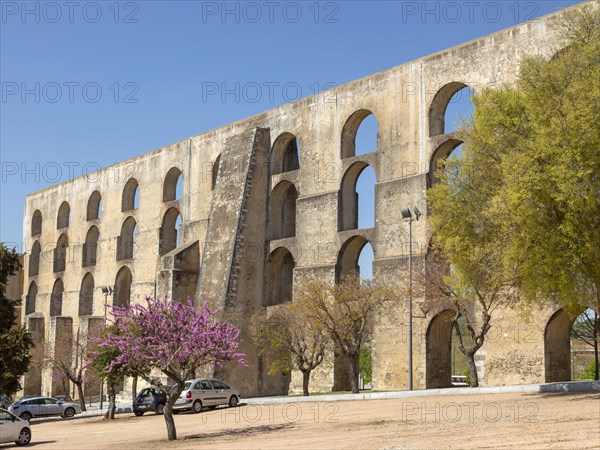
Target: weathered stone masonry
point(269, 200)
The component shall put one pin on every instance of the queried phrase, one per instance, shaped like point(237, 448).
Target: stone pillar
point(61, 346)
point(32, 382)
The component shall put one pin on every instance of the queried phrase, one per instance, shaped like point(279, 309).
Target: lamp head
point(406, 214)
point(417, 213)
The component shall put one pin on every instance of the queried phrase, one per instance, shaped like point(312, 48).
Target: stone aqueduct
point(270, 200)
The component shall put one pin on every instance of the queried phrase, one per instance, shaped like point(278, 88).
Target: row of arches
point(172, 190)
point(126, 243)
point(122, 294)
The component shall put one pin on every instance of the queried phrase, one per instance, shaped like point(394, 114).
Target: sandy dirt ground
point(532, 421)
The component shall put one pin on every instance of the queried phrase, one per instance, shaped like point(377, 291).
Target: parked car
point(43, 407)
point(458, 380)
point(5, 400)
point(203, 392)
point(14, 429)
point(150, 399)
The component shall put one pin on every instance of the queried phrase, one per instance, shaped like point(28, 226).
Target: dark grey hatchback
point(150, 399)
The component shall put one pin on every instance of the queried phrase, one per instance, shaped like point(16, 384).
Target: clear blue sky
point(88, 85)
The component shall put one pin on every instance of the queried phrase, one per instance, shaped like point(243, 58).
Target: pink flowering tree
point(173, 338)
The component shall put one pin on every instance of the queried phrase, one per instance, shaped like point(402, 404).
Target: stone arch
point(63, 217)
point(123, 282)
point(169, 233)
point(557, 347)
point(438, 358)
point(348, 197)
point(36, 223)
point(440, 154)
point(279, 277)
point(56, 298)
point(350, 130)
point(90, 247)
point(439, 104)
point(171, 183)
point(215, 172)
point(34, 259)
point(31, 298)
point(60, 253)
point(347, 262)
point(126, 240)
point(282, 211)
point(94, 206)
point(130, 199)
point(285, 155)
point(86, 295)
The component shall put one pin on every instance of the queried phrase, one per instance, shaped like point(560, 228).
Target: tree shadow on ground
point(571, 396)
point(240, 432)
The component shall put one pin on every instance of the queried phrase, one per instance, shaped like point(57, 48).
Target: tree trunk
point(112, 407)
point(134, 388)
point(596, 358)
point(169, 420)
point(472, 369)
point(80, 393)
point(305, 380)
point(353, 362)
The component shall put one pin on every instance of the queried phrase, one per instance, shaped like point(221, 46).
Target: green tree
point(520, 211)
point(15, 341)
point(585, 328)
point(289, 338)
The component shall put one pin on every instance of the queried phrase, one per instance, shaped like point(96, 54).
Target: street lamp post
point(408, 217)
point(106, 290)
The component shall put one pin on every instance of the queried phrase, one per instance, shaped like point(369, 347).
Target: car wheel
point(233, 401)
point(197, 406)
point(139, 413)
point(26, 416)
point(69, 412)
point(160, 408)
point(24, 437)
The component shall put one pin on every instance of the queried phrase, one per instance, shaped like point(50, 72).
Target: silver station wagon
point(28, 408)
point(202, 392)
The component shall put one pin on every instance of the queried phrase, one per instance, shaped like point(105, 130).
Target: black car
point(150, 399)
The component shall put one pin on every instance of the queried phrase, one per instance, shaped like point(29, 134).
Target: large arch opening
point(56, 298)
point(557, 348)
point(360, 134)
point(60, 253)
point(438, 359)
point(285, 155)
point(90, 247)
point(450, 107)
point(94, 206)
point(348, 259)
point(131, 196)
point(173, 185)
point(449, 149)
point(169, 231)
point(356, 198)
point(571, 346)
point(36, 223)
point(63, 217)
point(86, 296)
point(31, 298)
point(122, 293)
point(282, 211)
point(279, 276)
point(34, 259)
point(126, 241)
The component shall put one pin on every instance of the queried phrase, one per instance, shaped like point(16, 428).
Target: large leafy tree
point(289, 338)
point(519, 212)
point(346, 310)
point(15, 341)
point(170, 337)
